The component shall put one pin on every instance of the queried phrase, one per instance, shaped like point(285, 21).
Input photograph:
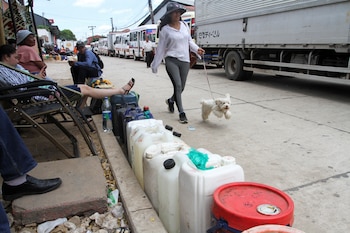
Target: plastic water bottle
point(106, 115)
point(147, 113)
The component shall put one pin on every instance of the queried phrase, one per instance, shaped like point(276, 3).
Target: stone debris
point(95, 223)
point(113, 221)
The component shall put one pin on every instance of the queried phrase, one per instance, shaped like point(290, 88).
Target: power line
point(135, 17)
point(92, 29)
point(144, 16)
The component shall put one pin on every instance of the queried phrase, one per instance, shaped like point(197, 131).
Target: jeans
point(15, 158)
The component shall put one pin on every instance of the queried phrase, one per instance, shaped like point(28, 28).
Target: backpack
point(99, 61)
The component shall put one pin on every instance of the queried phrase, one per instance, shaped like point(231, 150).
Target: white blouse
point(174, 43)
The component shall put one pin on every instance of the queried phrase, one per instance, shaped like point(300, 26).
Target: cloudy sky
point(79, 15)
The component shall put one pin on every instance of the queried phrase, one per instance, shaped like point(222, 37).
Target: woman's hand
point(200, 51)
point(42, 73)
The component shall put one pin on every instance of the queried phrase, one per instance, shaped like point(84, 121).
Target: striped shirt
point(9, 77)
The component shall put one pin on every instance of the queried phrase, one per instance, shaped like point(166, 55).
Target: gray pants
point(177, 71)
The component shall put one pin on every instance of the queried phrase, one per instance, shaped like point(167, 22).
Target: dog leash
point(206, 75)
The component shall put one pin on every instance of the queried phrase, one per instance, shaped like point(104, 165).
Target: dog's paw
point(228, 115)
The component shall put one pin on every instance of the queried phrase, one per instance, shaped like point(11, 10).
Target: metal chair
point(21, 104)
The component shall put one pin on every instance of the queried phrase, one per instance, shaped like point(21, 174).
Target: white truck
point(110, 43)
point(296, 38)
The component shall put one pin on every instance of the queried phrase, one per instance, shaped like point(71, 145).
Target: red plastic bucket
point(243, 205)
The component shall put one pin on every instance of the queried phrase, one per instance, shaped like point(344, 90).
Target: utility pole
point(92, 30)
point(151, 10)
point(112, 24)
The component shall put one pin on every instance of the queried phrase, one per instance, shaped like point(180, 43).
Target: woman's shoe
point(128, 86)
point(183, 118)
point(170, 105)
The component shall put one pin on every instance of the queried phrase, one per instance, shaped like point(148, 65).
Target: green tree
point(67, 34)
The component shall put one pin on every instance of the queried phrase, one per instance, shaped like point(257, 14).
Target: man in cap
point(86, 66)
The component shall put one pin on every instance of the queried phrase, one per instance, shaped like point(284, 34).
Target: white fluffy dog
point(219, 106)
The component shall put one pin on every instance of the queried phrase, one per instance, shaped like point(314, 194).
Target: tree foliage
point(47, 28)
point(67, 34)
point(94, 39)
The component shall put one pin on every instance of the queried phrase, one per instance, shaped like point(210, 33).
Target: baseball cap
point(80, 44)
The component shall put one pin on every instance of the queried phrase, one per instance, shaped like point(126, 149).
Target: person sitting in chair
point(28, 57)
point(86, 66)
point(11, 77)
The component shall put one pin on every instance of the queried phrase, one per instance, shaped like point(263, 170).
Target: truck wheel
point(234, 66)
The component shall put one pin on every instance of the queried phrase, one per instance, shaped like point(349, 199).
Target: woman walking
point(175, 44)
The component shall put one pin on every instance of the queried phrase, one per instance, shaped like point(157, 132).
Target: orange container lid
point(247, 204)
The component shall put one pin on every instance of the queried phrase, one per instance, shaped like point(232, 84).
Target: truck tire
point(135, 57)
point(234, 66)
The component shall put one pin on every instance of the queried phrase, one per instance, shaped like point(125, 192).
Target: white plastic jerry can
point(196, 188)
point(153, 160)
point(168, 192)
point(134, 127)
point(147, 137)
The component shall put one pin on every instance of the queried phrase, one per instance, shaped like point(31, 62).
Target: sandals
point(131, 83)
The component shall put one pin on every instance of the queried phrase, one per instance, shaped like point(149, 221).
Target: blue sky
point(78, 15)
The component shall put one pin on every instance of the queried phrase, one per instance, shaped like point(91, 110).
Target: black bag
point(100, 62)
point(119, 105)
point(95, 106)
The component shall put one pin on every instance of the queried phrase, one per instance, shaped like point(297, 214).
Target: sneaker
point(170, 105)
point(183, 118)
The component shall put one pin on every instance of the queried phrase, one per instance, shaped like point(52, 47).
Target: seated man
point(86, 66)
point(9, 77)
point(15, 162)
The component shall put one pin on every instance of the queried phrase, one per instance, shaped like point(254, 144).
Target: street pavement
point(292, 134)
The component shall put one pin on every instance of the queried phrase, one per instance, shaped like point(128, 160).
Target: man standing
point(148, 49)
point(86, 66)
